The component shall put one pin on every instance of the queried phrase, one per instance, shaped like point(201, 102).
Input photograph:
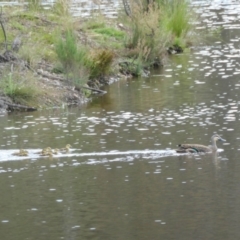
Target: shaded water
point(122, 179)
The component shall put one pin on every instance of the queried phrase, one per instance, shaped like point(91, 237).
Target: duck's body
point(198, 148)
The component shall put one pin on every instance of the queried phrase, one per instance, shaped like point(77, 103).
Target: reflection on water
point(82, 8)
point(122, 179)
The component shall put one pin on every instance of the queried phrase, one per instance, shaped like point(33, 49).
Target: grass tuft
point(21, 91)
point(72, 57)
point(178, 16)
point(62, 7)
point(34, 5)
point(110, 32)
point(99, 62)
point(148, 35)
point(68, 51)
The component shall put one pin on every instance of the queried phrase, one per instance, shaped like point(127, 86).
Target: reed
point(157, 26)
point(177, 17)
point(147, 33)
point(62, 7)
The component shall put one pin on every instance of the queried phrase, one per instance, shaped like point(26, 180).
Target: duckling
point(43, 150)
point(55, 151)
point(43, 153)
point(50, 153)
point(21, 153)
point(47, 154)
point(66, 149)
point(24, 152)
point(49, 150)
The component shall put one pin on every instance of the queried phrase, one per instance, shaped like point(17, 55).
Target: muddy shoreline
point(59, 92)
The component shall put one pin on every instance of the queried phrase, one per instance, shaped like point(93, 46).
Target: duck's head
point(216, 138)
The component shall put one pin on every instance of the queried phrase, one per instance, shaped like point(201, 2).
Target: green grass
point(68, 52)
point(85, 49)
point(178, 41)
point(48, 38)
point(110, 32)
point(20, 91)
point(148, 37)
point(94, 24)
point(34, 5)
point(27, 16)
point(178, 18)
point(72, 56)
point(18, 26)
point(61, 7)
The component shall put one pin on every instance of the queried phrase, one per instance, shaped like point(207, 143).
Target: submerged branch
point(50, 76)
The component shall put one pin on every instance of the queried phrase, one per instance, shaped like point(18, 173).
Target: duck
point(66, 148)
point(21, 153)
point(198, 148)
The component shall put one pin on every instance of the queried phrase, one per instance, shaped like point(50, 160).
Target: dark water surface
point(122, 180)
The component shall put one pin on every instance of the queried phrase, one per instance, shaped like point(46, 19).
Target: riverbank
point(49, 59)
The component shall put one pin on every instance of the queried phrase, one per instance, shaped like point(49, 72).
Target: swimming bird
point(196, 148)
point(44, 151)
point(21, 153)
point(66, 149)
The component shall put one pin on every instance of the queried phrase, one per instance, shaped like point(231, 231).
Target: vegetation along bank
point(49, 58)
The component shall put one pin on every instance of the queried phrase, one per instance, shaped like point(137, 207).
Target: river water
point(122, 178)
point(82, 8)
